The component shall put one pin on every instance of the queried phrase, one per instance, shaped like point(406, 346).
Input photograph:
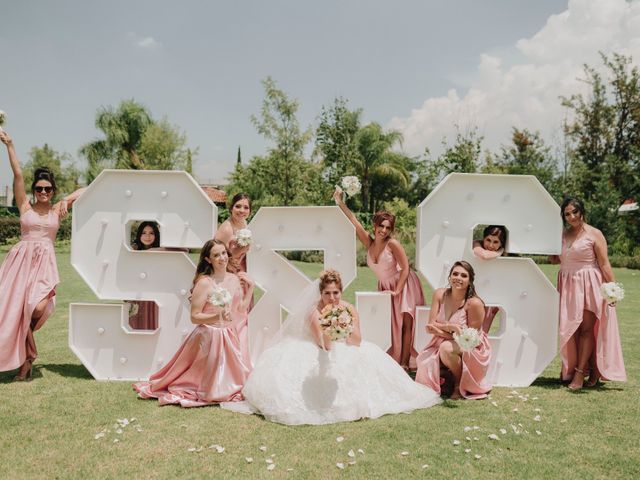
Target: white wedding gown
point(296, 382)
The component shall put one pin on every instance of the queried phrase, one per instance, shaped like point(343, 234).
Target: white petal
point(495, 404)
point(468, 439)
point(271, 466)
point(119, 431)
point(476, 438)
point(493, 436)
point(537, 418)
point(263, 448)
point(269, 461)
point(456, 442)
point(564, 420)
point(475, 427)
point(351, 454)
point(361, 451)
point(219, 449)
point(116, 440)
point(339, 439)
point(352, 463)
point(289, 469)
point(477, 457)
point(248, 459)
point(404, 454)
point(425, 466)
point(534, 398)
point(538, 432)
point(340, 465)
point(503, 431)
point(467, 450)
point(467, 429)
point(192, 449)
point(513, 392)
point(536, 409)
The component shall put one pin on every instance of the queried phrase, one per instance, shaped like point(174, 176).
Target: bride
point(306, 378)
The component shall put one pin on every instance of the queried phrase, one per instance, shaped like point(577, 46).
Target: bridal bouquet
point(244, 237)
point(612, 292)
point(467, 339)
point(220, 297)
point(336, 321)
point(351, 185)
point(3, 118)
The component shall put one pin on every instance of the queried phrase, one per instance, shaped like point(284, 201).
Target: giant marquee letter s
point(527, 341)
point(99, 334)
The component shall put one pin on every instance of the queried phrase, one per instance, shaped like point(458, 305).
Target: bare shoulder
point(439, 293)
point(594, 232)
point(225, 231)
point(475, 302)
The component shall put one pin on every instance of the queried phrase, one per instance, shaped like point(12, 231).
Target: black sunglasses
point(43, 189)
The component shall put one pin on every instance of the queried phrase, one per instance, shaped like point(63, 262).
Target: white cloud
point(526, 93)
point(147, 43)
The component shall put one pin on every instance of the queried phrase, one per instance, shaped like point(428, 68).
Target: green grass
point(48, 425)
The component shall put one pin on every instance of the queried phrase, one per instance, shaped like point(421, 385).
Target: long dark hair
point(471, 288)
point(204, 266)
point(43, 173)
point(496, 231)
point(574, 202)
point(137, 243)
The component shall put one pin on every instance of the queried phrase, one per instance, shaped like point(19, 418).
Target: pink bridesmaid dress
point(579, 281)
point(28, 275)
point(209, 367)
point(475, 363)
point(146, 318)
point(387, 271)
point(243, 325)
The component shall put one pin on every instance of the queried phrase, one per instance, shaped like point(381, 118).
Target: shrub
point(9, 229)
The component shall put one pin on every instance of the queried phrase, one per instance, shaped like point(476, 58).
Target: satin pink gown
point(387, 271)
point(241, 264)
point(209, 367)
point(147, 316)
point(28, 275)
point(579, 281)
point(475, 363)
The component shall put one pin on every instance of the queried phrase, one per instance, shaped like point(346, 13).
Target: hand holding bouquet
point(244, 237)
point(220, 297)
point(612, 292)
point(336, 321)
point(467, 339)
point(351, 185)
point(3, 118)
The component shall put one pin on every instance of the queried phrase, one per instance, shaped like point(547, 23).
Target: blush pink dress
point(387, 271)
point(209, 367)
point(240, 265)
point(146, 318)
point(28, 275)
point(579, 281)
point(475, 363)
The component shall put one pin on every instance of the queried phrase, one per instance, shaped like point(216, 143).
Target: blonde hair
point(330, 276)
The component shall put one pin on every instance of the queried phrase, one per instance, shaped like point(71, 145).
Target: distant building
point(628, 206)
point(216, 194)
point(6, 196)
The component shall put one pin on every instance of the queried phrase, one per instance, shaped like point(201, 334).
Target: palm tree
point(123, 128)
point(376, 160)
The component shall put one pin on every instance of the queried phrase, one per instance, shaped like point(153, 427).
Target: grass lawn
point(48, 425)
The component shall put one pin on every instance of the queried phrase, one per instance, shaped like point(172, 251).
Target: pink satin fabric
point(28, 275)
point(387, 271)
point(475, 363)
point(242, 326)
point(579, 281)
point(147, 316)
point(209, 367)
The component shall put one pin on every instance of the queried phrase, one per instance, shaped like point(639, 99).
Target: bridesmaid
point(29, 274)
point(240, 210)
point(145, 313)
point(209, 367)
point(388, 260)
point(452, 309)
point(493, 245)
point(589, 338)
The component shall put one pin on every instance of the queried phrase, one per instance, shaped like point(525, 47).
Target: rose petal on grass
point(361, 451)
point(352, 463)
point(263, 448)
point(289, 469)
point(467, 450)
point(340, 465)
point(339, 439)
point(425, 466)
point(351, 454)
point(495, 404)
point(248, 459)
point(503, 431)
point(476, 438)
point(467, 429)
point(514, 410)
point(456, 442)
point(269, 461)
point(536, 410)
point(493, 436)
point(119, 431)
point(477, 457)
point(475, 427)
point(191, 449)
point(564, 420)
point(271, 466)
point(468, 439)
point(404, 454)
point(538, 432)
point(537, 418)
point(115, 440)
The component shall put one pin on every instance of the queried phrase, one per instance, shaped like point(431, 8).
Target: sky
point(418, 66)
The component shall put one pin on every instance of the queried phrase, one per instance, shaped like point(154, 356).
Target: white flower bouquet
point(612, 292)
point(3, 118)
point(468, 339)
point(351, 185)
point(244, 237)
point(336, 321)
point(220, 297)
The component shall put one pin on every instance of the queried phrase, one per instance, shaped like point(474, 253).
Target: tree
point(134, 140)
point(66, 174)
point(239, 157)
point(336, 144)
point(377, 162)
point(283, 171)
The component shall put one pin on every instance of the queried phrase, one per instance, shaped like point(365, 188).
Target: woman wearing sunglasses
point(29, 275)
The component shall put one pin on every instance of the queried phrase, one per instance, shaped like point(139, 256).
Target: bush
point(9, 229)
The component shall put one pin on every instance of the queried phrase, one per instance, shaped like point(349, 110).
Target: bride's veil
point(297, 323)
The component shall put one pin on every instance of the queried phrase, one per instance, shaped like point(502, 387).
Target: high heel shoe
point(576, 386)
point(26, 372)
point(594, 378)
